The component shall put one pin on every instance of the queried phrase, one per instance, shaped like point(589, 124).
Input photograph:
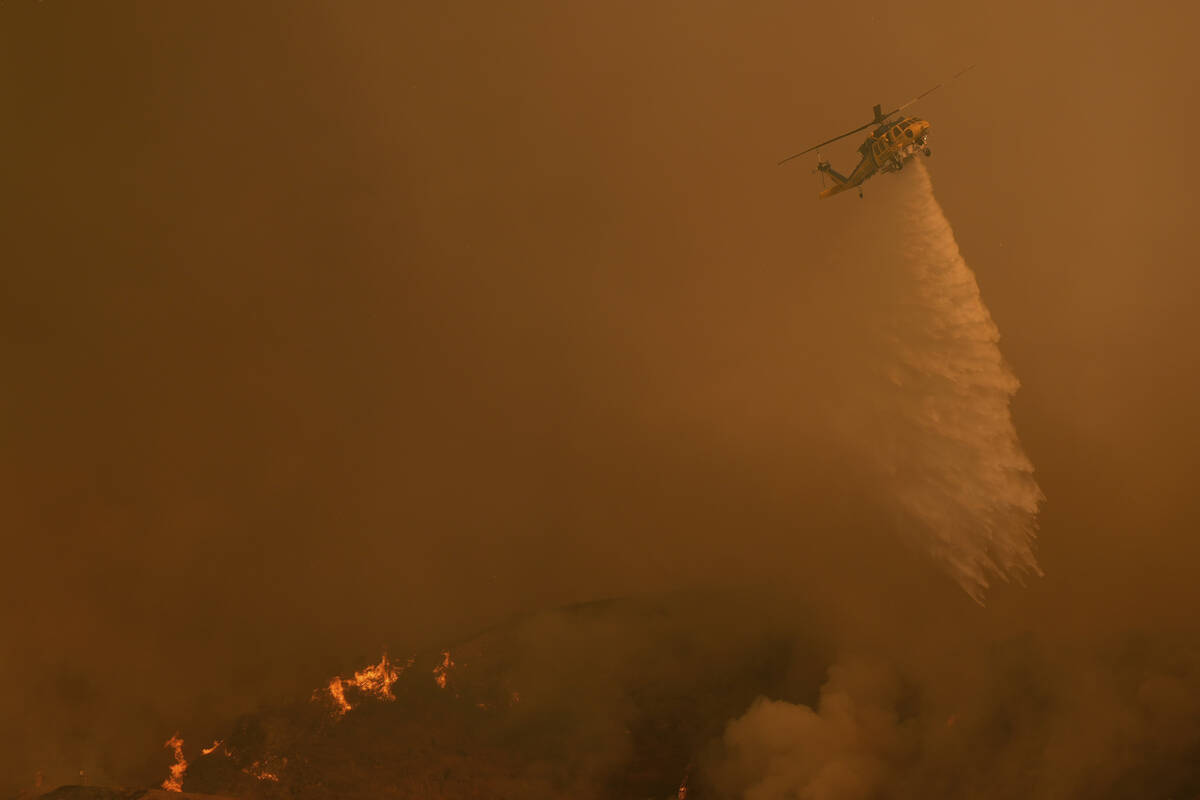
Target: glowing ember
point(440, 671)
point(514, 698)
point(375, 680)
point(267, 769)
point(174, 783)
point(207, 750)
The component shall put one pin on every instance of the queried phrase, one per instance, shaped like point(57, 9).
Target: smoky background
point(329, 328)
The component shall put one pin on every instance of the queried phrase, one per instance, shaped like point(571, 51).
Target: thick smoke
point(937, 426)
point(844, 750)
point(1117, 721)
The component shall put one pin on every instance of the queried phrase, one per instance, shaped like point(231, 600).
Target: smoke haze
point(330, 329)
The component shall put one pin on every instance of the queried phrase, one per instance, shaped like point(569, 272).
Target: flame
point(174, 783)
point(514, 698)
point(207, 750)
point(440, 671)
point(375, 680)
point(682, 794)
point(337, 691)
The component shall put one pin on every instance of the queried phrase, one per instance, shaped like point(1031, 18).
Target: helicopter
point(886, 149)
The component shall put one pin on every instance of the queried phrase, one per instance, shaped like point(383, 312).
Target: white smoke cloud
point(844, 750)
point(1022, 719)
point(937, 427)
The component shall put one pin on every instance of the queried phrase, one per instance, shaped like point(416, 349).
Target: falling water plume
point(937, 427)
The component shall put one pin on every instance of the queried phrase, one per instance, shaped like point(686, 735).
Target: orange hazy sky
point(328, 326)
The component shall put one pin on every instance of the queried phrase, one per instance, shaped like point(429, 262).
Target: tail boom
point(840, 181)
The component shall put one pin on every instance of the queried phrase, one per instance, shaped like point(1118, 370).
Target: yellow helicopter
point(886, 149)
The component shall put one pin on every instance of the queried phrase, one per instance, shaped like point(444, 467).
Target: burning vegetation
point(174, 781)
point(374, 681)
point(504, 715)
point(442, 670)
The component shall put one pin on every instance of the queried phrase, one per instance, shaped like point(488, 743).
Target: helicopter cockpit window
point(908, 132)
point(896, 131)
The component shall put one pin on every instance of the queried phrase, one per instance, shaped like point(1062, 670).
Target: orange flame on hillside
point(338, 692)
point(682, 792)
point(439, 672)
point(174, 783)
point(375, 680)
point(204, 751)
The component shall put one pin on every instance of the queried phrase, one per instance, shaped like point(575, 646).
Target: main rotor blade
point(931, 91)
point(882, 118)
point(822, 144)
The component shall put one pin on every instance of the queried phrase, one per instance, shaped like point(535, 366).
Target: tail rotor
point(822, 167)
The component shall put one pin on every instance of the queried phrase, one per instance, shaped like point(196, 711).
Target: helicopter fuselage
point(893, 144)
point(890, 144)
point(887, 149)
